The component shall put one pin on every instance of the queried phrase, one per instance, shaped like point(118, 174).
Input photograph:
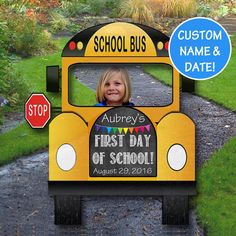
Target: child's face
point(114, 90)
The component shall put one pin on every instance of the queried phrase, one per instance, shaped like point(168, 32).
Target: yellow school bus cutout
point(145, 151)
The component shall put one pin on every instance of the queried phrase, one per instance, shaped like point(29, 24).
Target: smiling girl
point(114, 88)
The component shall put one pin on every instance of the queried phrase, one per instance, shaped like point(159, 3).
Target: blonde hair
point(106, 75)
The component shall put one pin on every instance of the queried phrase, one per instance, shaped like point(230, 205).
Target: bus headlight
point(176, 157)
point(66, 157)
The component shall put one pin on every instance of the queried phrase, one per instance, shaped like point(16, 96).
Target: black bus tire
point(175, 210)
point(67, 210)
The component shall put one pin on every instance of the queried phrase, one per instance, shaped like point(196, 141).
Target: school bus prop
point(119, 150)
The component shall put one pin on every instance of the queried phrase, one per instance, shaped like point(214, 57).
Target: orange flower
point(42, 18)
point(30, 13)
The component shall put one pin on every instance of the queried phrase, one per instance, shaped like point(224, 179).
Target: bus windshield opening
point(146, 84)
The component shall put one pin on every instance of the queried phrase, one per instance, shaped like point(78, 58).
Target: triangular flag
point(108, 130)
point(131, 130)
point(125, 130)
point(114, 129)
point(136, 129)
point(97, 127)
point(103, 129)
point(120, 130)
point(147, 128)
point(141, 128)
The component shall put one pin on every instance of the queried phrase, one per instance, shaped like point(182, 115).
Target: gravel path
point(229, 23)
point(26, 208)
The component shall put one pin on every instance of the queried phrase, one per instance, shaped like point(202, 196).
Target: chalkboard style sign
point(123, 143)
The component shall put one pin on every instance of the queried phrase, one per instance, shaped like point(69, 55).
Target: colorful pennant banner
point(124, 130)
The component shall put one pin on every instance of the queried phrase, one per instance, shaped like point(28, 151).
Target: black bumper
point(121, 188)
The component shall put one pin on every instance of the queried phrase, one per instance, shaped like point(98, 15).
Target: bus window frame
point(120, 64)
point(87, 112)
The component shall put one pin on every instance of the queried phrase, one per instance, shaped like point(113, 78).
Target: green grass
point(221, 89)
point(216, 201)
point(24, 139)
point(80, 94)
point(33, 71)
point(21, 141)
point(161, 72)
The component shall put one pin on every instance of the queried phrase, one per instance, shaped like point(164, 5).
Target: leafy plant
point(25, 36)
point(73, 28)
point(203, 10)
point(74, 8)
point(222, 11)
point(216, 8)
point(33, 9)
point(233, 10)
point(96, 6)
point(137, 10)
point(11, 85)
point(112, 7)
point(58, 22)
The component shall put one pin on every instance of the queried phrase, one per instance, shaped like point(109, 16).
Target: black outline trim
point(122, 188)
point(85, 35)
point(130, 63)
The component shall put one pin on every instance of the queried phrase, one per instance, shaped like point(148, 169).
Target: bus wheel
point(175, 210)
point(67, 210)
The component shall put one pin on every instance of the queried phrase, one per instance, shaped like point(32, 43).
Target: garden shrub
point(156, 6)
point(112, 7)
point(74, 8)
point(23, 35)
point(216, 8)
point(77, 8)
point(137, 10)
point(180, 8)
point(73, 27)
point(58, 22)
point(12, 87)
point(97, 7)
point(27, 38)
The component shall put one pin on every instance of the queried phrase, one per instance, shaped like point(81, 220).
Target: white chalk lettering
point(131, 158)
point(98, 158)
point(123, 119)
point(104, 172)
point(106, 140)
point(139, 141)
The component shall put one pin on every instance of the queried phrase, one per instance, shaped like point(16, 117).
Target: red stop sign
point(37, 110)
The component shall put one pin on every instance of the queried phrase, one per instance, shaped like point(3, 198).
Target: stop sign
point(37, 110)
